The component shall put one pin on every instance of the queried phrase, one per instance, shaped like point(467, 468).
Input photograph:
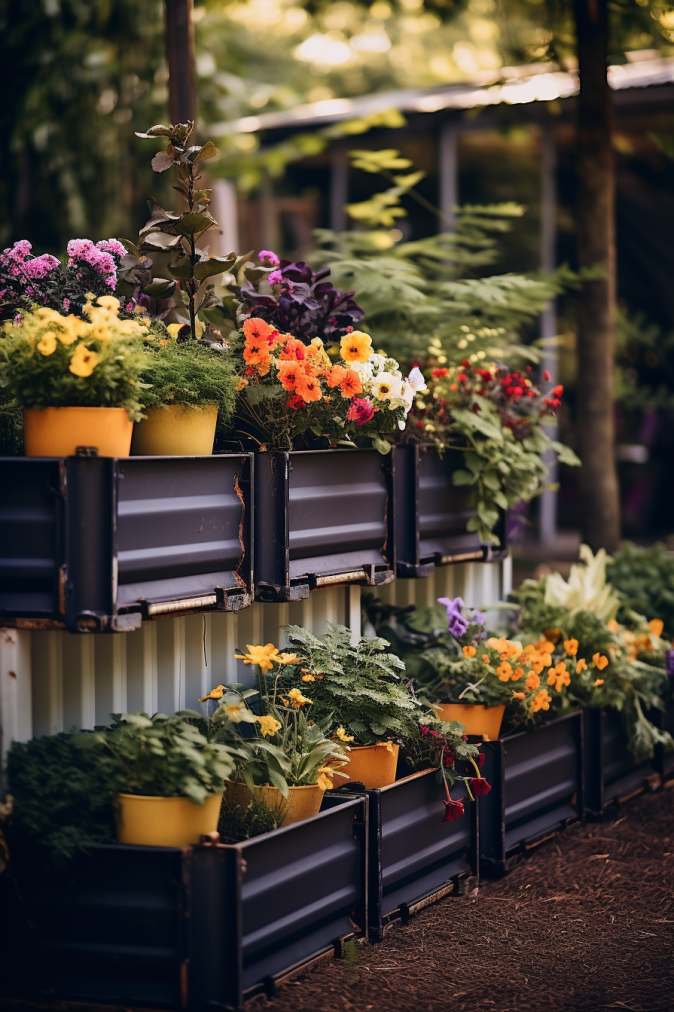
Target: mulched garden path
point(584, 923)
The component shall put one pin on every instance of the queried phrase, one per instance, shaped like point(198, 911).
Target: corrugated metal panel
point(611, 770)
point(52, 681)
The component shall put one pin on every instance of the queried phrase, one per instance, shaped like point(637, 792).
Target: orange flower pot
point(149, 821)
point(178, 430)
point(57, 432)
point(476, 718)
point(372, 765)
point(302, 803)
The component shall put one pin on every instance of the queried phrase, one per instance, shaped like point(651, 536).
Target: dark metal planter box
point(197, 928)
point(664, 761)
point(413, 855)
point(99, 543)
point(322, 517)
point(611, 771)
point(536, 782)
point(431, 514)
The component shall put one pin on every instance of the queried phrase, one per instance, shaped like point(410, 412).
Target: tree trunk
point(180, 59)
point(595, 223)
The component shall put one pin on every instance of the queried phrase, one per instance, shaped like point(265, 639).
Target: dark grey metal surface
point(416, 854)
point(337, 526)
point(537, 786)
point(31, 537)
point(611, 771)
point(99, 543)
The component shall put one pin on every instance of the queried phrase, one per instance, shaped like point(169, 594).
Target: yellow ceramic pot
point(372, 765)
point(178, 430)
point(149, 821)
point(303, 802)
point(57, 432)
point(476, 718)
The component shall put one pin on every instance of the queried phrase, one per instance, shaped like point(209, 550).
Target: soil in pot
point(302, 803)
point(476, 718)
point(372, 765)
point(149, 821)
point(178, 430)
point(57, 432)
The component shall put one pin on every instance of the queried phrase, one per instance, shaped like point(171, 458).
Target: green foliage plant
point(188, 372)
point(51, 360)
point(62, 798)
point(161, 756)
point(644, 580)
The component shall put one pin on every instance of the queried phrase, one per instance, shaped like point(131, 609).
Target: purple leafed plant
point(304, 303)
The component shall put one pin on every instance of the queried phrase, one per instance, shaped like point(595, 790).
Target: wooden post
point(547, 527)
point(595, 224)
point(180, 58)
point(339, 186)
point(449, 175)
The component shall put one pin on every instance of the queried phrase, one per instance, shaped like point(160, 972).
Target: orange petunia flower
point(254, 327)
point(335, 376)
point(356, 347)
point(309, 388)
point(293, 351)
point(256, 343)
point(351, 385)
point(289, 373)
point(504, 671)
point(469, 651)
point(258, 357)
point(517, 674)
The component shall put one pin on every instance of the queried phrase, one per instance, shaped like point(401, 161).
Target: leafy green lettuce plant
point(644, 580)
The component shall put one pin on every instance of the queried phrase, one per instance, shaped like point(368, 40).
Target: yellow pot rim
point(163, 797)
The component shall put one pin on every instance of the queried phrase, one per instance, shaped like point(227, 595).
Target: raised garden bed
point(432, 513)
point(611, 772)
point(322, 517)
point(195, 928)
point(98, 543)
point(536, 782)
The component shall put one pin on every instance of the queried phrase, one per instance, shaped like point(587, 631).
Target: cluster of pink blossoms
point(16, 260)
point(98, 256)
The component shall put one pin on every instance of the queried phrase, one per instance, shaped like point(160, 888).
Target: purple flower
point(670, 663)
point(270, 257)
point(275, 278)
point(101, 261)
point(111, 246)
point(479, 618)
point(456, 623)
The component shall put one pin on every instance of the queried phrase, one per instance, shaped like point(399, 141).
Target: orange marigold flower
point(656, 625)
point(597, 682)
point(335, 376)
point(581, 665)
point(571, 647)
point(599, 661)
point(533, 682)
point(485, 658)
point(546, 659)
point(552, 677)
point(519, 695)
point(289, 373)
point(255, 328)
point(351, 385)
point(517, 674)
point(309, 388)
point(504, 671)
point(469, 651)
point(356, 347)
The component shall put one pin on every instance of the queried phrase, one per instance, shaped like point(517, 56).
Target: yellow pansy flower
point(287, 659)
point(47, 346)
point(83, 362)
point(297, 699)
point(215, 693)
point(108, 302)
point(324, 782)
point(342, 735)
point(175, 328)
point(268, 725)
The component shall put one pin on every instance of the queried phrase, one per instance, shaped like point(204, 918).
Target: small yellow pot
point(476, 718)
point(150, 821)
point(372, 765)
point(57, 432)
point(178, 430)
point(303, 802)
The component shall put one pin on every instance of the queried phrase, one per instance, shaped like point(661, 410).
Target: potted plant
point(168, 777)
point(287, 761)
point(77, 378)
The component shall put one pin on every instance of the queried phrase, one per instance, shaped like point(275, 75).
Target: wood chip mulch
point(584, 923)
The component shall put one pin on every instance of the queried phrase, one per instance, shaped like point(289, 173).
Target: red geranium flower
point(479, 786)
point(453, 810)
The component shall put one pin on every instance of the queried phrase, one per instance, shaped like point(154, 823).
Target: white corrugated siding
point(57, 681)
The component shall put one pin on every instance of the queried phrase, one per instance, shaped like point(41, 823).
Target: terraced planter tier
point(612, 774)
point(536, 782)
point(98, 543)
point(415, 858)
point(322, 517)
point(198, 928)
point(432, 513)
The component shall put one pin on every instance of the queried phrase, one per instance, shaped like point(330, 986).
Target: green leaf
point(160, 288)
point(214, 265)
point(261, 392)
point(381, 445)
point(182, 268)
point(492, 481)
point(209, 150)
point(155, 131)
point(194, 221)
point(463, 478)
